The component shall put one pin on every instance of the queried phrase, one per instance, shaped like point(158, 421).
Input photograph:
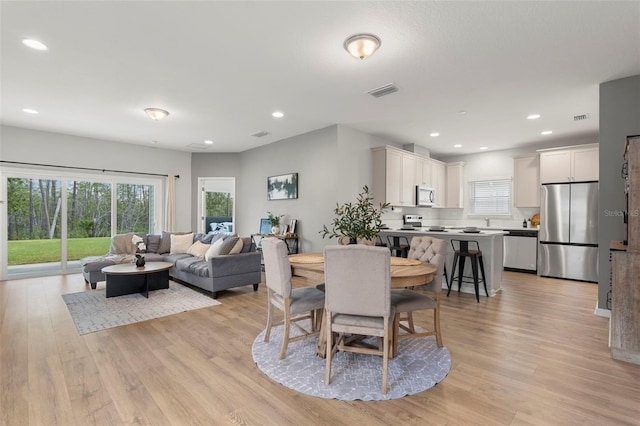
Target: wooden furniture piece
point(296, 304)
point(291, 240)
point(358, 285)
point(127, 278)
point(625, 287)
point(462, 250)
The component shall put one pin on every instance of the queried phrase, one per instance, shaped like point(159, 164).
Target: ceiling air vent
point(260, 134)
point(383, 90)
point(580, 117)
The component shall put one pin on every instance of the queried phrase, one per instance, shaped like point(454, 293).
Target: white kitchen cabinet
point(526, 180)
point(394, 176)
point(438, 179)
point(424, 172)
point(454, 185)
point(575, 164)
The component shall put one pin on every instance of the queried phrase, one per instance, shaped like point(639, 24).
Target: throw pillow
point(181, 243)
point(237, 248)
point(214, 249)
point(165, 242)
point(229, 244)
point(153, 243)
point(198, 249)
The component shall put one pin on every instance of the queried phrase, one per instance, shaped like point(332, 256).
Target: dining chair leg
point(461, 271)
point(394, 336)
point(385, 355)
point(329, 348)
point(453, 270)
point(436, 321)
point(267, 333)
point(484, 280)
point(287, 327)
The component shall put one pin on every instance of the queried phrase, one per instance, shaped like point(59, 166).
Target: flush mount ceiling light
point(29, 110)
point(483, 148)
point(457, 145)
point(208, 142)
point(34, 44)
point(434, 134)
point(278, 114)
point(362, 46)
point(546, 132)
point(156, 114)
point(533, 117)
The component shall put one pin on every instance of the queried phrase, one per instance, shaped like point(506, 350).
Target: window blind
point(491, 197)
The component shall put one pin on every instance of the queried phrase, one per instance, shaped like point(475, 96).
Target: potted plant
point(361, 219)
point(275, 222)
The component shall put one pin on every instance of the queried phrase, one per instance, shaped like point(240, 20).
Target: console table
point(291, 240)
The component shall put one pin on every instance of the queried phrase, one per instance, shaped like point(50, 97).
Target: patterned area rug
point(420, 365)
point(92, 311)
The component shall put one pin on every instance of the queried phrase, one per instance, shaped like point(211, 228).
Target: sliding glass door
point(49, 224)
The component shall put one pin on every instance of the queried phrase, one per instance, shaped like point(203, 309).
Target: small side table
point(291, 240)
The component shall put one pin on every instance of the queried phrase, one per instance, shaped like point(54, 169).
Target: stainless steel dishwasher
point(521, 250)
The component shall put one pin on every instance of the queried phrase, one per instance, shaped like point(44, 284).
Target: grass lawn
point(24, 252)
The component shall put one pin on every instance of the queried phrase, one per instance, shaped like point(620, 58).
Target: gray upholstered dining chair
point(296, 304)
point(430, 250)
point(358, 290)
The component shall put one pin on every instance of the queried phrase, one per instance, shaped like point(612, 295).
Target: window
point(491, 197)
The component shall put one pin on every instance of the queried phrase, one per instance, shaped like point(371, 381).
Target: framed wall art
point(282, 187)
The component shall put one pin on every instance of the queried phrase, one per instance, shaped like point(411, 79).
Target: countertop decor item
point(361, 219)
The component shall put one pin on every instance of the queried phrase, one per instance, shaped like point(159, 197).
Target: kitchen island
point(490, 241)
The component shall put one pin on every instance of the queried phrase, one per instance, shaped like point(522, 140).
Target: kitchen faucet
point(486, 219)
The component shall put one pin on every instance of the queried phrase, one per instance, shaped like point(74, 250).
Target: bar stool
point(399, 245)
point(461, 251)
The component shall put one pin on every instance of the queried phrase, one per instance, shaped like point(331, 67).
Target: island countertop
point(491, 242)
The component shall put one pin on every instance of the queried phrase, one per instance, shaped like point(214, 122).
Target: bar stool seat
point(398, 245)
point(471, 249)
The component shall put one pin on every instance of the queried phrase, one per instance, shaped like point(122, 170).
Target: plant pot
point(275, 230)
point(140, 262)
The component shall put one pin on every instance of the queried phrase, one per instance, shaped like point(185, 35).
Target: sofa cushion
point(199, 268)
point(198, 249)
point(165, 242)
point(180, 243)
point(183, 263)
point(154, 257)
point(95, 263)
point(229, 246)
point(173, 258)
point(214, 249)
point(246, 244)
point(153, 243)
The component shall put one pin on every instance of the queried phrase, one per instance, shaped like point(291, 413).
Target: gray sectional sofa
point(220, 272)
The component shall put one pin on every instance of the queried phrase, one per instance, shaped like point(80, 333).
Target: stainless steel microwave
point(425, 197)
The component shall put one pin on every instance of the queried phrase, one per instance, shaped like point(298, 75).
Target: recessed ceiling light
point(457, 145)
point(156, 114)
point(154, 142)
point(434, 134)
point(278, 114)
point(462, 112)
point(533, 116)
point(546, 132)
point(34, 44)
point(208, 142)
point(483, 148)
point(29, 111)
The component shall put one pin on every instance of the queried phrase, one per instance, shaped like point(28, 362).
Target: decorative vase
point(275, 230)
point(140, 262)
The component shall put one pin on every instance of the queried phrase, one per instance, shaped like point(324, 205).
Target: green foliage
point(219, 204)
point(359, 220)
point(274, 219)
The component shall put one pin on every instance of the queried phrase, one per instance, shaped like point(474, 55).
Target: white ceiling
point(222, 68)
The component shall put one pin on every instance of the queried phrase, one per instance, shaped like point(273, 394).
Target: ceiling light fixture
point(362, 46)
point(546, 132)
point(457, 145)
point(156, 114)
point(434, 134)
point(34, 44)
point(208, 142)
point(29, 111)
point(483, 148)
point(533, 116)
point(277, 114)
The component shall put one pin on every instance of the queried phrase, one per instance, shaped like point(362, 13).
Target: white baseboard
point(606, 313)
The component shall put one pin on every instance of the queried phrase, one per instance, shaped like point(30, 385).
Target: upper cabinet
point(575, 164)
point(424, 172)
point(454, 185)
point(394, 176)
point(438, 179)
point(526, 180)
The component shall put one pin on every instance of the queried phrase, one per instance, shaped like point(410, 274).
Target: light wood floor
point(533, 355)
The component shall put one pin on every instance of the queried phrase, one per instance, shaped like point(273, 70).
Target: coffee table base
point(119, 285)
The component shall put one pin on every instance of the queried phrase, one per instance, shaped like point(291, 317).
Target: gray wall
point(33, 146)
point(619, 118)
point(333, 164)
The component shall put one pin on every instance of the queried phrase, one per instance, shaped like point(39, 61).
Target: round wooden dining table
point(404, 272)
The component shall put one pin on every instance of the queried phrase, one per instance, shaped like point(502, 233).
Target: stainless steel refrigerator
point(569, 231)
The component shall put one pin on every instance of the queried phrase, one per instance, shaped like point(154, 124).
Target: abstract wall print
point(282, 187)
